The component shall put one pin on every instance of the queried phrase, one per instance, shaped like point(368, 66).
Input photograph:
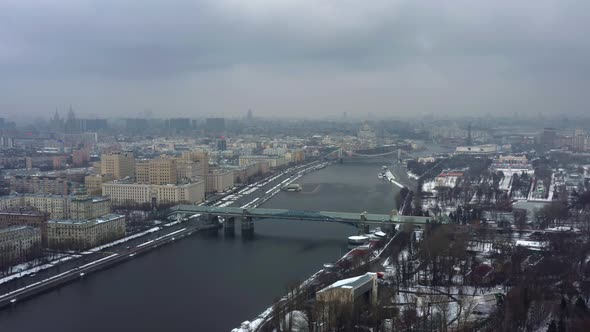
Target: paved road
point(83, 263)
point(110, 259)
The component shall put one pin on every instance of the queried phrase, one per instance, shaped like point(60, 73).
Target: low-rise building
point(351, 292)
point(19, 244)
point(72, 234)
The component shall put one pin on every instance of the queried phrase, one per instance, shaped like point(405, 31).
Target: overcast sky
point(294, 58)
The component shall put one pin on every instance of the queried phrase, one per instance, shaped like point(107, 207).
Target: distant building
point(580, 141)
point(513, 160)
point(80, 157)
point(59, 207)
point(52, 185)
point(478, 149)
point(118, 164)
point(273, 161)
point(367, 136)
point(25, 217)
point(244, 174)
point(295, 156)
point(84, 234)
point(19, 244)
point(215, 126)
point(189, 171)
point(179, 123)
point(93, 124)
point(549, 138)
point(136, 125)
point(198, 156)
point(134, 193)
point(93, 183)
point(219, 180)
point(221, 144)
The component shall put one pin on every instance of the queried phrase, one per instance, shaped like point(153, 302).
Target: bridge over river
point(361, 220)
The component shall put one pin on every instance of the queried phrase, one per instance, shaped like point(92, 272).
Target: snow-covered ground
point(428, 186)
point(21, 270)
point(36, 269)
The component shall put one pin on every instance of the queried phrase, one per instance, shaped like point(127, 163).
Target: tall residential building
point(548, 138)
point(162, 171)
point(579, 140)
point(118, 164)
point(198, 156)
point(179, 123)
point(215, 126)
point(221, 144)
point(142, 171)
point(189, 171)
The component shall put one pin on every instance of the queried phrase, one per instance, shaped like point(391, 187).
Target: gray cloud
point(304, 57)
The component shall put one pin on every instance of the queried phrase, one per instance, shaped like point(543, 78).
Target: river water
point(208, 282)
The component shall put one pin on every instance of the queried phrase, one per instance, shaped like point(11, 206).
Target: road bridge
point(248, 215)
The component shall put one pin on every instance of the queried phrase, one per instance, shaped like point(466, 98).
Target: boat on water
point(383, 173)
point(292, 187)
point(357, 241)
point(320, 166)
point(369, 239)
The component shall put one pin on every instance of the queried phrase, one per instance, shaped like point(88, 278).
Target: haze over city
point(293, 58)
point(294, 165)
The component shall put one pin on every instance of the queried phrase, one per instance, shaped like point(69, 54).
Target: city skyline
point(206, 58)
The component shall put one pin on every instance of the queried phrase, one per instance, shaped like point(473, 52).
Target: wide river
point(208, 282)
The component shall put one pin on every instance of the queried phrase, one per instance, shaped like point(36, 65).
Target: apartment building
point(219, 180)
point(273, 161)
point(73, 234)
point(52, 185)
point(118, 164)
point(122, 193)
point(93, 183)
point(19, 244)
point(25, 217)
point(60, 207)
